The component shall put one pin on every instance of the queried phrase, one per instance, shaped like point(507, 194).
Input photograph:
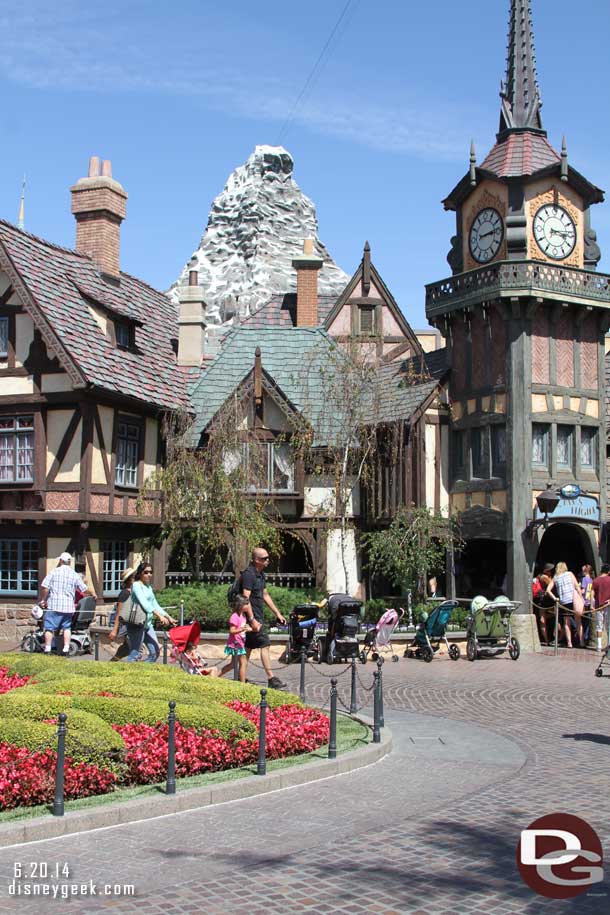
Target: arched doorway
point(565, 542)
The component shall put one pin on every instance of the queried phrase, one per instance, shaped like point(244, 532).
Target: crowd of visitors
point(575, 600)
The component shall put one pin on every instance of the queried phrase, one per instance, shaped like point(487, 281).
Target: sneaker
point(275, 683)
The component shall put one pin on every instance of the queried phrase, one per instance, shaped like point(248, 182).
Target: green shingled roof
point(299, 361)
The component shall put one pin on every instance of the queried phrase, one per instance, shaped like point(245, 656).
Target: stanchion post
point(235, 667)
point(261, 765)
point(556, 628)
point(353, 705)
point(182, 613)
point(170, 787)
point(96, 646)
point(58, 800)
point(164, 647)
point(376, 731)
point(380, 688)
point(302, 681)
point(332, 740)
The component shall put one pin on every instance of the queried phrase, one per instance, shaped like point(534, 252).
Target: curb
point(122, 812)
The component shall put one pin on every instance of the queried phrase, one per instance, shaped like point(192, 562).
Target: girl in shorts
point(238, 625)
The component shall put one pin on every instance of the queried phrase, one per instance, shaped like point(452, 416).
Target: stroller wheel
point(375, 656)
point(599, 672)
point(454, 652)
point(514, 649)
point(427, 654)
point(362, 657)
point(409, 653)
point(471, 650)
point(395, 658)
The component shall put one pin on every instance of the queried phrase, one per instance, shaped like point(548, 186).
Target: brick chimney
point(307, 267)
point(191, 321)
point(98, 203)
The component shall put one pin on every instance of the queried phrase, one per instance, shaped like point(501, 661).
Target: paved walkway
point(480, 751)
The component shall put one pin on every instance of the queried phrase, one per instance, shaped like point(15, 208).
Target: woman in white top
point(564, 585)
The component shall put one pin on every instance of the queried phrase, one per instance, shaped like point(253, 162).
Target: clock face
point(554, 231)
point(486, 234)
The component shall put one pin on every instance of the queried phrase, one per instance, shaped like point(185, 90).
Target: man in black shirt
point(253, 586)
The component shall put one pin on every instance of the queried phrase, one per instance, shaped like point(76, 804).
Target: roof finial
point(366, 269)
point(520, 93)
point(21, 217)
point(564, 160)
point(473, 165)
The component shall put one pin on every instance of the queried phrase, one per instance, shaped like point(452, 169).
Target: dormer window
point(366, 316)
point(3, 338)
point(123, 334)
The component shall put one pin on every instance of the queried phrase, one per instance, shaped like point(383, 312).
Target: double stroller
point(381, 636)
point(80, 637)
point(430, 632)
point(341, 640)
point(488, 628)
point(302, 624)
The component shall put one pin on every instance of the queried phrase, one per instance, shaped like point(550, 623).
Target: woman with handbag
point(139, 616)
point(119, 628)
point(567, 591)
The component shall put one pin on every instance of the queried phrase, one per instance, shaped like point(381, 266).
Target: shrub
point(88, 736)
point(208, 605)
point(122, 711)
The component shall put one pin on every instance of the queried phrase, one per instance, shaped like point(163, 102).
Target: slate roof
point(299, 361)
point(280, 311)
point(61, 284)
point(520, 154)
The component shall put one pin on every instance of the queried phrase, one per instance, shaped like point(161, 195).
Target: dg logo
point(560, 856)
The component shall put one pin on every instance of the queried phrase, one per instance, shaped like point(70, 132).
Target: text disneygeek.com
point(39, 878)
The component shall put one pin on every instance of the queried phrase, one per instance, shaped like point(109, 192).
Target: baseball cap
point(65, 557)
point(548, 567)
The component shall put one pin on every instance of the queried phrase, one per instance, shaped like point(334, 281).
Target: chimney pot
point(308, 246)
point(193, 277)
point(94, 166)
point(107, 168)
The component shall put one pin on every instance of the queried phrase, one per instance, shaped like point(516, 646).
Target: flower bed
point(117, 733)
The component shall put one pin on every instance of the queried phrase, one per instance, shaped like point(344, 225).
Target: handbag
point(578, 604)
point(132, 613)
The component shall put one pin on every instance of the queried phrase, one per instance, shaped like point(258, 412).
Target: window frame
point(591, 432)
point(135, 468)
point(123, 327)
point(369, 310)
point(16, 433)
point(4, 352)
point(117, 563)
point(498, 466)
point(270, 446)
point(21, 571)
point(546, 428)
point(478, 463)
point(568, 466)
point(458, 448)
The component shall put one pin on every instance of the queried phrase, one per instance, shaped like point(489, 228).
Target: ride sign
point(579, 508)
point(560, 856)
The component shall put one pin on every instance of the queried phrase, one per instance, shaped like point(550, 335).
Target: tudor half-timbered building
point(87, 369)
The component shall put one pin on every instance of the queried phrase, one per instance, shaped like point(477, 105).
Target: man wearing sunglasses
point(254, 587)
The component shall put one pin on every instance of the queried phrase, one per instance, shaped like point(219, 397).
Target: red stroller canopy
point(182, 635)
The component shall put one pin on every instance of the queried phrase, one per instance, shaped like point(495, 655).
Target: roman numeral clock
point(524, 316)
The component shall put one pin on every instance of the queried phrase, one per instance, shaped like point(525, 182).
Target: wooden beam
point(102, 443)
point(64, 446)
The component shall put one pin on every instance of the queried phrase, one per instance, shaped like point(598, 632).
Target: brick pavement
point(430, 830)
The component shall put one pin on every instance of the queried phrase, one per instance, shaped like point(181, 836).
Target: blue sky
point(177, 95)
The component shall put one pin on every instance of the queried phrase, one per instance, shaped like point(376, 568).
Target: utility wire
point(316, 67)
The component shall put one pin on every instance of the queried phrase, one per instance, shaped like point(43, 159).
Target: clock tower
point(524, 317)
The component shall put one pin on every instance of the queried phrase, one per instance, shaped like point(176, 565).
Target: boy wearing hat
point(58, 591)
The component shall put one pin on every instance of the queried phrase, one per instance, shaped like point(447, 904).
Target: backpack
point(537, 589)
point(234, 590)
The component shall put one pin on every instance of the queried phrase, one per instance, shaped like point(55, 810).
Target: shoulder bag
point(132, 613)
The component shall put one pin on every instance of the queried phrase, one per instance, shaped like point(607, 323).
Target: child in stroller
point(380, 637)
point(302, 624)
point(184, 653)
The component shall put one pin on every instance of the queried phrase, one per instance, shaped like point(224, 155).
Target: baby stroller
point(302, 624)
point(180, 636)
point(341, 640)
point(80, 638)
point(431, 632)
point(488, 628)
point(380, 637)
point(604, 661)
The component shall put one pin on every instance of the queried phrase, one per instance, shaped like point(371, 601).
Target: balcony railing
point(281, 579)
point(514, 278)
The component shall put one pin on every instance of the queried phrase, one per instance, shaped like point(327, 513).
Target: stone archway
point(566, 542)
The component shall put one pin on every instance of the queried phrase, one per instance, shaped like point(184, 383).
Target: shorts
point(600, 620)
point(258, 639)
point(53, 620)
point(234, 651)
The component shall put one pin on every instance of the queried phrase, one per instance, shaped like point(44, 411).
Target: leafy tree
point(413, 545)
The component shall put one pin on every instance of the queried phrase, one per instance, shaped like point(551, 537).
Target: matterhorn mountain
point(256, 226)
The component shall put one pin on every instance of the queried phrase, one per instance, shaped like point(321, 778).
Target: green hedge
point(152, 711)
point(88, 736)
point(208, 603)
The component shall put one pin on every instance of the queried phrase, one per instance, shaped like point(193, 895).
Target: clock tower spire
point(520, 92)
